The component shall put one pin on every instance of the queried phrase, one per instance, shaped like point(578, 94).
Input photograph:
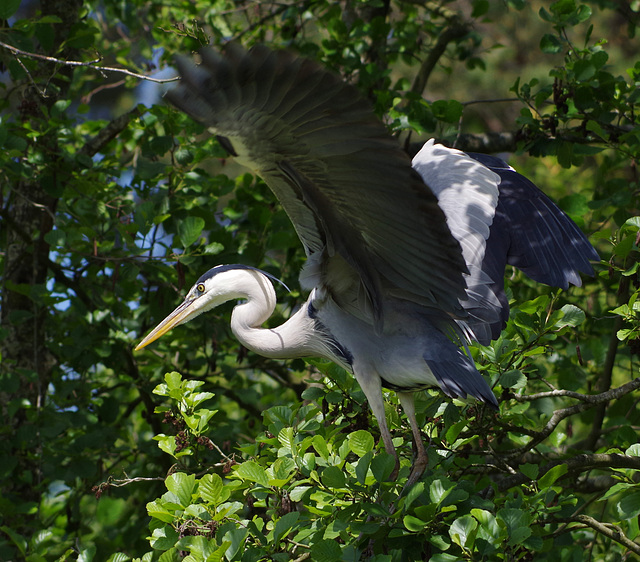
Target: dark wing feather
point(345, 183)
point(531, 233)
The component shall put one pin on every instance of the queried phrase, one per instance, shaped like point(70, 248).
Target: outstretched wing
point(345, 183)
point(531, 233)
point(500, 217)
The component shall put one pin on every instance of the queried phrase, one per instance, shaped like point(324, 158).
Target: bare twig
point(553, 394)
point(607, 529)
point(589, 402)
point(126, 481)
point(89, 64)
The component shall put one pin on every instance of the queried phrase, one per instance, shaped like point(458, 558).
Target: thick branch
point(579, 463)
point(456, 30)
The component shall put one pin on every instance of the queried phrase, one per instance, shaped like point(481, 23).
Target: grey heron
point(405, 259)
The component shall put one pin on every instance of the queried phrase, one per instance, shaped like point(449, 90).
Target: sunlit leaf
point(252, 471)
point(361, 442)
point(189, 230)
point(182, 485)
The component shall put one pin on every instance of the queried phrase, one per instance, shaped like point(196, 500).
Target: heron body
point(405, 260)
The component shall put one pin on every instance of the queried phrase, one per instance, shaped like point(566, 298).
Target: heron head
point(217, 286)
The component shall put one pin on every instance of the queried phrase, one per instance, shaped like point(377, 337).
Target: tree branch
point(552, 394)
point(90, 64)
point(109, 132)
point(559, 415)
point(604, 380)
point(579, 463)
point(609, 530)
point(456, 30)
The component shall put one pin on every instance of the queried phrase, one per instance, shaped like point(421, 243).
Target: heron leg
point(372, 388)
point(421, 458)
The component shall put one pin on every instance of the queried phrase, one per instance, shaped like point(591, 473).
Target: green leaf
point(333, 477)
point(361, 442)
point(325, 551)
point(462, 530)
point(313, 393)
point(362, 467)
point(253, 472)
point(444, 557)
point(182, 485)
point(284, 526)
point(530, 470)
point(617, 489)
point(320, 445)
point(189, 230)
point(572, 316)
point(163, 538)
point(513, 379)
point(516, 523)
point(480, 8)
point(298, 492)
point(173, 380)
point(157, 510)
point(439, 489)
point(194, 400)
point(183, 156)
point(633, 450)
point(170, 555)
point(549, 478)
point(449, 111)
point(551, 44)
point(166, 443)
point(413, 524)
point(8, 8)
point(146, 169)
point(629, 505)
point(116, 557)
point(16, 538)
point(210, 489)
point(487, 521)
point(281, 470)
point(286, 437)
point(413, 493)
point(382, 466)
point(236, 538)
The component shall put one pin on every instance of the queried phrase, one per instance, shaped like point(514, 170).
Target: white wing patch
point(467, 192)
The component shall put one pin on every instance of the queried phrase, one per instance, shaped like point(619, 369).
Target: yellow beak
point(181, 314)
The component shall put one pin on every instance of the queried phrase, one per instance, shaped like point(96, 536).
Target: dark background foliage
point(113, 203)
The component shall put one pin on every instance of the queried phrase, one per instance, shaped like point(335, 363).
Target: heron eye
point(200, 287)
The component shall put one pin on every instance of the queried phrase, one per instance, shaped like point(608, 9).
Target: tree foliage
point(112, 202)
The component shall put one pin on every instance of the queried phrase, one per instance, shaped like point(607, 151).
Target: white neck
point(294, 338)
